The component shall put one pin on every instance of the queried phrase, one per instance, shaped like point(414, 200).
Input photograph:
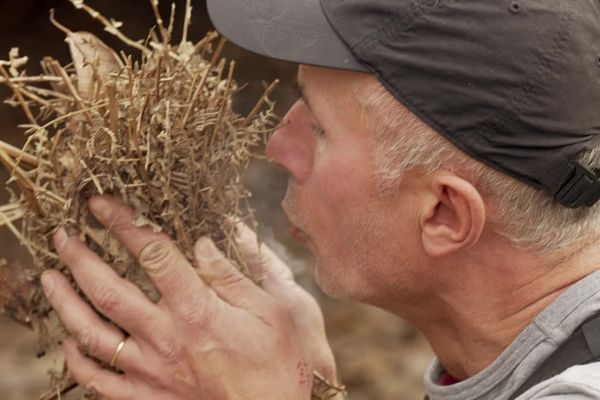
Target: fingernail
point(47, 284)
point(100, 207)
point(205, 248)
point(72, 230)
point(60, 238)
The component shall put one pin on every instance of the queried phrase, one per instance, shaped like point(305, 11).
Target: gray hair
point(527, 217)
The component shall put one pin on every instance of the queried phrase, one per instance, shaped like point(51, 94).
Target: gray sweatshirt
point(540, 339)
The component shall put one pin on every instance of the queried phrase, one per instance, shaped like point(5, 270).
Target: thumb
point(229, 283)
point(278, 281)
point(268, 269)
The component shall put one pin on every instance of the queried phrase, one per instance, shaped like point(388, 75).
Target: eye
point(317, 130)
point(297, 93)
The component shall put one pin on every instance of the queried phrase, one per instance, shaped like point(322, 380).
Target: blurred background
point(379, 356)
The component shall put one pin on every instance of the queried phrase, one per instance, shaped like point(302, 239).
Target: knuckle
point(170, 350)
point(228, 276)
point(192, 313)
point(155, 256)
point(88, 340)
point(105, 298)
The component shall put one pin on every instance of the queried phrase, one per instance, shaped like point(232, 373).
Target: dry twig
point(148, 131)
point(159, 132)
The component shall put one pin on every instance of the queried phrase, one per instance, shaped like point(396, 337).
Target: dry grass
point(155, 128)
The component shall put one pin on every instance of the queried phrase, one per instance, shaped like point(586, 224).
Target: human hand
point(215, 337)
point(275, 277)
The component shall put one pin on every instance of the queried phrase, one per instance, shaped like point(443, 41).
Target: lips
point(290, 210)
point(298, 235)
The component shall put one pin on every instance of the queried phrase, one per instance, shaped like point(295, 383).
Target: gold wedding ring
point(115, 357)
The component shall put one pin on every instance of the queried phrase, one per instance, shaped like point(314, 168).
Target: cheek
point(342, 181)
point(335, 197)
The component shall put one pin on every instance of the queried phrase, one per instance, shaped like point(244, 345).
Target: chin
point(350, 281)
point(334, 284)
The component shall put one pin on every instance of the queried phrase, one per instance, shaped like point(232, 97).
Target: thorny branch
point(159, 132)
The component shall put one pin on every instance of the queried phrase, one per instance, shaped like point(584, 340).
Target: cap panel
point(513, 83)
point(291, 30)
point(359, 21)
point(508, 87)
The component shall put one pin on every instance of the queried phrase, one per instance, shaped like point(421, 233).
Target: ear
point(453, 216)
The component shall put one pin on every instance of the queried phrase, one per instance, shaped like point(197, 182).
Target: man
point(442, 167)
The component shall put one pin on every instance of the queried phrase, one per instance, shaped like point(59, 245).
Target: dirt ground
point(379, 356)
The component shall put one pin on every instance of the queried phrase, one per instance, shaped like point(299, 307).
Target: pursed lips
point(295, 232)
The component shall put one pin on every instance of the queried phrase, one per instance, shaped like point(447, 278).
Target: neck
point(477, 310)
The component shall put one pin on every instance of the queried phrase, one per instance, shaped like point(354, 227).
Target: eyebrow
point(301, 89)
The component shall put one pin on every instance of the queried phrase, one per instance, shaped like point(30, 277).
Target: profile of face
point(364, 243)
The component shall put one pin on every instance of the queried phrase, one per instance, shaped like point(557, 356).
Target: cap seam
point(518, 98)
point(521, 96)
point(398, 19)
point(509, 136)
point(398, 24)
point(390, 27)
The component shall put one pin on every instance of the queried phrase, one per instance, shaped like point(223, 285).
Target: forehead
point(326, 88)
point(335, 99)
point(329, 80)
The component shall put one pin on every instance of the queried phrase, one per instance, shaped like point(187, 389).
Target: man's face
point(355, 234)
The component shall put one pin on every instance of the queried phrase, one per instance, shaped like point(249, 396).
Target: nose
point(293, 145)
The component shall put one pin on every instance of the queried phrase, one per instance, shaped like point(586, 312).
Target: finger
point(92, 377)
point(168, 268)
point(275, 275)
point(95, 337)
point(279, 282)
point(114, 297)
point(226, 280)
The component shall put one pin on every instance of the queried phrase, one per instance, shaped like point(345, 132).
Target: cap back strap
point(580, 188)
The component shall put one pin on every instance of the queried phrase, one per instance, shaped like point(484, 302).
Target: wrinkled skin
point(213, 335)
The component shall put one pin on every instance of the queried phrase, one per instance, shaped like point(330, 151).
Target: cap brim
point(290, 30)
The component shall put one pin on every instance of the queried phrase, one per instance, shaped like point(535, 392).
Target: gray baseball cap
point(513, 83)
